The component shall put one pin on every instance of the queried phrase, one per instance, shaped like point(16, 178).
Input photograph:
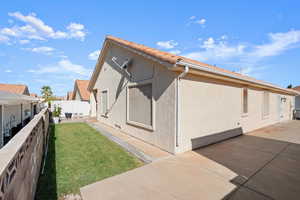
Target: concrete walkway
point(188, 176)
point(144, 151)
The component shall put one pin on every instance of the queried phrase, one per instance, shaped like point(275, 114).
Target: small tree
point(57, 111)
point(290, 86)
point(46, 92)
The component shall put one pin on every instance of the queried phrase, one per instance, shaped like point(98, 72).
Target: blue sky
point(55, 42)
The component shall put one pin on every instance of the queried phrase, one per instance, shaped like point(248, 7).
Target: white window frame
point(138, 124)
point(265, 116)
point(103, 114)
point(245, 114)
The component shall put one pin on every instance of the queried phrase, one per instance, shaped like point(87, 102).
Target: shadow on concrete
point(47, 184)
point(266, 168)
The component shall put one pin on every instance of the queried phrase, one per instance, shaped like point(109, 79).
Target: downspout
point(181, 75)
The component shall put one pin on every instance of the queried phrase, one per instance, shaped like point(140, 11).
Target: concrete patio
point(263, 164)
point(267, 165)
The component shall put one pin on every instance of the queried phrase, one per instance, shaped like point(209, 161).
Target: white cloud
point(94, 55)
point(224, 37)
point(212, 50)
point(200, 21)
point(176, 52)
point(43, 50)
point(8, 71)
point(4, 39)
point(76, 31)
point(64, 66)
point(220, 49)
point(34, 22)
point(35, 28)
point(246, 58)
point(194, 20)
point(24, 41)
point(8, 32)
point(167, 44)
point(279, 42)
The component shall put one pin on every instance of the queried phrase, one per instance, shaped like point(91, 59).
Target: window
point(104, 102)
point(27, 113)
point(245, 100)
point(266, 104)
point(140, 105)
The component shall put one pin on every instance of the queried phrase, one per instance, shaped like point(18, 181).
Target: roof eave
point(234, 77)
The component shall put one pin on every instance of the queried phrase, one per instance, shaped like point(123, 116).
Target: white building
point(16, 110)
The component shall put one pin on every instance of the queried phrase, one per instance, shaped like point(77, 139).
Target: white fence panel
point(77, 108)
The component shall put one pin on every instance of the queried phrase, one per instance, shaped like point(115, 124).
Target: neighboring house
point(77, 102)
point(33, 95)
point(179, 104)
point(16, 111)
point(15, 88)
point(80, 91)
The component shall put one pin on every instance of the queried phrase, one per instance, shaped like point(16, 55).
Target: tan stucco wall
point(209, 107)
point(163, 91)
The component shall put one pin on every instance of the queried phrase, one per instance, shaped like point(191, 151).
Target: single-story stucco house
point(81, 93)
point(15, 88)
point(16, 110)
point(179, 104)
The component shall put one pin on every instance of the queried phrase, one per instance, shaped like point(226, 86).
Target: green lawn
point(79, 155)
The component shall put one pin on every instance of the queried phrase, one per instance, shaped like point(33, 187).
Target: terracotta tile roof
point(33, 94)
point(82, 86)
point(297, 88)
point(173, 59)
point(69, 95)
point(14, 88)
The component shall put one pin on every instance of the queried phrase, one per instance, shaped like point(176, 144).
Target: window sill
point(140, 125)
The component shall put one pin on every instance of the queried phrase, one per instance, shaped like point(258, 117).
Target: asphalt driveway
point(267, 162)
